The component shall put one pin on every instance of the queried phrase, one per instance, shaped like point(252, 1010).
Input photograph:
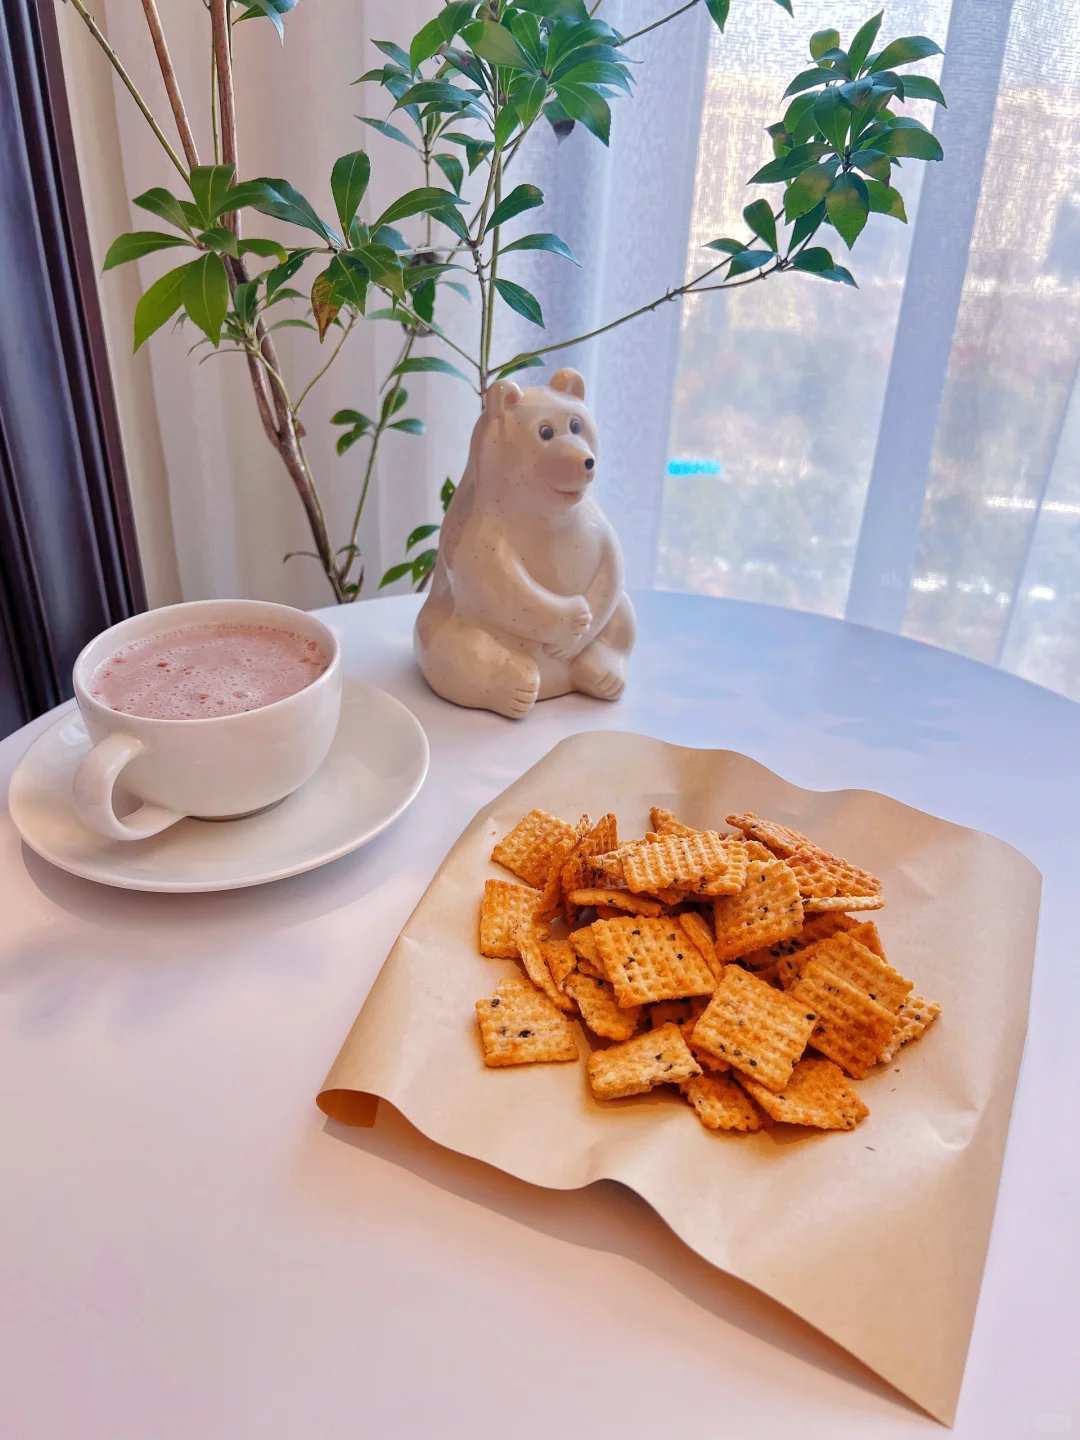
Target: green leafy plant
point(473, 82)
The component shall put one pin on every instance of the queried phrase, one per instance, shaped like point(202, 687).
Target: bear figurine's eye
point(546, 431)
point(575, 426)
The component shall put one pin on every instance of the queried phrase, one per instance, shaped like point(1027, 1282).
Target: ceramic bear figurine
point(527, 597)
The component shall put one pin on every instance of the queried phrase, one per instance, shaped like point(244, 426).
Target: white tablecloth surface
point(190, 1251)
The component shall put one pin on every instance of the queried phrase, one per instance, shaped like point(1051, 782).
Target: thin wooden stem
point(132, 88)
point(219, 25)
point(172, 88)
point(657, 23)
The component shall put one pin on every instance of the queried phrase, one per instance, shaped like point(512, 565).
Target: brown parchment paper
point(878, 1236)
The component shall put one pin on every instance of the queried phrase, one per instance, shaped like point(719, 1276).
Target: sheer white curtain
point(905, 454)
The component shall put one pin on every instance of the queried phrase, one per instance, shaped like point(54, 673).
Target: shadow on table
point(608, 1216)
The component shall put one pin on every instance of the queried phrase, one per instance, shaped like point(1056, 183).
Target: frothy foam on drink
point(204, 671)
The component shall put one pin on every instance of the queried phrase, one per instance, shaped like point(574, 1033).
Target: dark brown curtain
point(68, 560)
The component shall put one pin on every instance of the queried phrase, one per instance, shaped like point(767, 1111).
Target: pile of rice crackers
point(733, 965)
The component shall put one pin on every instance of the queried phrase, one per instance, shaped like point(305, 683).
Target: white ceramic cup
point(217, 768)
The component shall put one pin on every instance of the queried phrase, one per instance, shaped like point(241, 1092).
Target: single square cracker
point(778, 839)
point(648, 960)
point(700, 935)
point(916, 1016)
point(529, 848)
point(561, 958)
point(551, 899)
point(852, 961)
point(531, 951)
point(655, 1058)
point(664, 822)
point(503, 910)
point(826, 882)
point(720, 1104)
point(578, 872)
point(618, 899)
point(678, 860)
point(758, 1030)
point(850, 1028)
point(596, 1001)
point(817, 1094)
point(519, 1026)
point(766, 910)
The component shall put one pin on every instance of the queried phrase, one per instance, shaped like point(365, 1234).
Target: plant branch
point(320, 373)
point(219, 23)
point(172, 88)
point(115, 62)
point(657, 23)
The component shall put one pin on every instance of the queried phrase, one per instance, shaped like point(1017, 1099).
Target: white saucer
point(375, 768)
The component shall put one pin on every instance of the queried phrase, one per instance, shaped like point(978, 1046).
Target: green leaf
point(351, 417)
point(208, 186)
point(383, 265)
point(872, 162)
point(718, 9)
point(785, 5)
point(520, 299)
point(394, 52)
point(205, 294)
point(284, 292)
point(476, 152)
point(350, 280)
point(759, 216)
point(921, 87)
point(806, 225)
point(267, 248)
point(385, 128)
point(543, 240)
point(903, 52)
point(396, 572)
point(454, 15)
point(453, 169)
point(785, 167)
point(587, 105)
point(747, 260)
point(506, 123)
point(530, 362)
point(522, 197)
point(348, 182)
point(409, 427)
point(324, 305)
point(138, 243)
point(348, 440)
point(818, 261)
point(283, 273)
point(823, 40)
point(165, 206)
point(884, 200)
point(861, 45)
point(796, 110)
point(219, 239)
point(284, 202)
point(272, 9)
point(440, 93)
point(848, 205)
point(425, 364)
point(422, 201)
point(831, 116)
point(245, 300)
point(395, 400)
point(910, 144)
point(807, 189)
point(420, 533)
point(446, 494)
point(160, 303)
point(587, 71)
point(425, 42)
point(495, 44)
point(727, 247)
point(424, 564)
point(527, 94)
point(808, 79)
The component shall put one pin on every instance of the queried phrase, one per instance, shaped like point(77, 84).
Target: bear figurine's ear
point(502, 396)
point(572, 381)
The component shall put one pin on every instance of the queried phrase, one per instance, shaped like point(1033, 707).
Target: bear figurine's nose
point(589, 463)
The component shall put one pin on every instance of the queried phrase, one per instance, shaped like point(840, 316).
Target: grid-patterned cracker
point(596, 1001)
point(698, 931)
point(916, 1016)
point(618, 899)
point(655, 1058)
point(776, 838)
point(720, 1104)
point(552, 897)
point(826, 882)
point(584, 944)
point(854, 962)
point(758, 1030)
point(519, 1025)
point(665, 822)
point(532, 957)
point(648, 960)
point(850, 1028)
point(578, 872)
point(503, 910)
point(561, 958)
point(817, 1094)
point(529, 848)
point(815, 927)
point(766, 910)
point(679, 861)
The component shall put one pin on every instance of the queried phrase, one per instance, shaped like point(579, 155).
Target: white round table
point(190, 1251)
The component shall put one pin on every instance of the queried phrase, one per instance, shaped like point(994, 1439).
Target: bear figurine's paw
point(599, 671)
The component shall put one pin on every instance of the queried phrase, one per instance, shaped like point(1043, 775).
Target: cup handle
point(93, 787)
